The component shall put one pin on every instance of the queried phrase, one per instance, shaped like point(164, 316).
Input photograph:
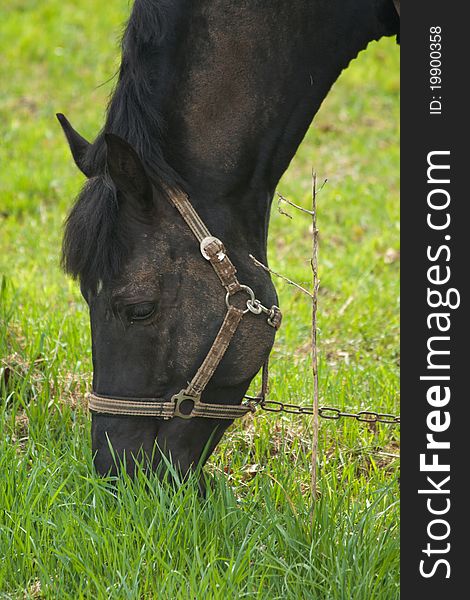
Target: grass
point(66, 533)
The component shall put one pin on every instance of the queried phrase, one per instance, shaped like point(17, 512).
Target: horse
point(211, 103)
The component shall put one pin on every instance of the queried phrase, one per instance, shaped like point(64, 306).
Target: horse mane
point(95, 245)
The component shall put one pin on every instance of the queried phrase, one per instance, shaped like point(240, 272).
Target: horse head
point(212, 101)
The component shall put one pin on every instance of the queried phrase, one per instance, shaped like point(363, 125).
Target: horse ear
point(126, 168)
point(78, 145)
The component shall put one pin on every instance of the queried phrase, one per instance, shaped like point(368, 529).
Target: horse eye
point(140, 312)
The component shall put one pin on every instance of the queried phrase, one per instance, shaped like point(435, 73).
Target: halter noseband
point(213, 250)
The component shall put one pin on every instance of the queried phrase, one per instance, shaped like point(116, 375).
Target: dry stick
point(313, 296)
point(286, 279)
point(290, 203)
point(282, 199)
point(315, 287)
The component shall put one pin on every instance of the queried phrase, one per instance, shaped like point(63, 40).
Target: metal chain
point(326, 412)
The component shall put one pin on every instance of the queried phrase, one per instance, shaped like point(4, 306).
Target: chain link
point(326, 412)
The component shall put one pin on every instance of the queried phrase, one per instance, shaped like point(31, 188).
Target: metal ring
point(254, 306)
point(243, 288)
point(181, 397)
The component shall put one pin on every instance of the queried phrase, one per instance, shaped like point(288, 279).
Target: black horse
point(212, 101)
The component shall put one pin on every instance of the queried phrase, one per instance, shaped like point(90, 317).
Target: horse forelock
point(92, 247)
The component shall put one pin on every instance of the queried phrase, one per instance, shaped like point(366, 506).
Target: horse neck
point(236, 88)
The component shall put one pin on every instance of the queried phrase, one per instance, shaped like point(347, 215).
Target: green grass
point(65, 533)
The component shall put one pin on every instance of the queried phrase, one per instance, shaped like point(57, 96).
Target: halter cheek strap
point(187, 403)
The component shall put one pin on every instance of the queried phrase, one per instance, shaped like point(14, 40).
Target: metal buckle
point(275, 317)
point(181, 397)
point(210, 240)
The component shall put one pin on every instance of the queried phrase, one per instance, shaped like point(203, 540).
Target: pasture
point(66, 533)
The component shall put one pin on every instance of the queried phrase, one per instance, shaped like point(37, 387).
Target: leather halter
point(212, 250)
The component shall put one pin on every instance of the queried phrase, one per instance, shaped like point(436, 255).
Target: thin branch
point(313, 295)
point(290, 203)
point(315, 286)
point(282, 212)
point(286, 279)
point(282, 199)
